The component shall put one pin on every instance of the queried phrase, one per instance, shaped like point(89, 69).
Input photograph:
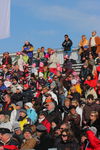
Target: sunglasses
point(62, 128)
point(92, 115)
point(64, 135)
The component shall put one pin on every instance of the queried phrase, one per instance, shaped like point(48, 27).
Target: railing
point(59, 51)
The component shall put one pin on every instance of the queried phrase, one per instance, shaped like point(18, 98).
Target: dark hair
point(69, 133)
point(90, 96)
point(66, 35)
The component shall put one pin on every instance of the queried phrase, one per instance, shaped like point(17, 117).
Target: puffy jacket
point(31, 113)
point(94, 141)
point(47, 124)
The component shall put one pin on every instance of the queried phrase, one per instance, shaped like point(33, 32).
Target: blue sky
point(44, 22)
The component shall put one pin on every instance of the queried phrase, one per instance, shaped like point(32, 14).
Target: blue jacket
point(31, 113)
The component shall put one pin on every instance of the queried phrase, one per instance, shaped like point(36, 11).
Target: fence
point(74, 55)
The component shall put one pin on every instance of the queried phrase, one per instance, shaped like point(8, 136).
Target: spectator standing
point(94, 43)
point(67, 44)
point(28, 48)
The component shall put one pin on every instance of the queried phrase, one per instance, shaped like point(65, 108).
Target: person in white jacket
point(15, 113)
point(5, 121)
point(53, 61)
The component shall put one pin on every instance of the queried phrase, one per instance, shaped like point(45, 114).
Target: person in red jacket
point(93, 140)
point(93, 143)
point(42, 120)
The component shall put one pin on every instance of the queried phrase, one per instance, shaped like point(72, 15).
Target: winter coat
point(87, 110)
point(67, 45)
point(27, 95)
point(45, 142)
point(53, 61)
point(73, 119)
point(6, 123)
point(91, 83)
point(31, 113)
point(84, 73)
point(14, 116)
point(95, 124)
point(47, 124)
point(28, 144)
point(70, 144)
point(12, 144)
point(54, 115)
point(16, 97)
point(93, 140)
point(7, 60)
point(97, 41)
point(23, 122)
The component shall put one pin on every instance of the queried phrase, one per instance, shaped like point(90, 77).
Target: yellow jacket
point(23, 122)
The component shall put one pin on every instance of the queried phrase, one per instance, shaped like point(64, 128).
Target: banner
point(4, 18)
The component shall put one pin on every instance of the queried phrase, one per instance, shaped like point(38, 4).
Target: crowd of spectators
point(45, 105)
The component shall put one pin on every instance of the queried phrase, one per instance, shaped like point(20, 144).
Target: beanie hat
point(93, 129)
point(41, 128)
point(23, 110)
point(20, 103)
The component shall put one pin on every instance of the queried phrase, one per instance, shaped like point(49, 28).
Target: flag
point(4, 18)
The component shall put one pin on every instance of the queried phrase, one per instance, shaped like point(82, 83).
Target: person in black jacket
point(27, 94)
point(67, 45)
point(67, 141)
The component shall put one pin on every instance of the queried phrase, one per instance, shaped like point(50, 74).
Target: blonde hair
point(75, 102)
point(95, 113)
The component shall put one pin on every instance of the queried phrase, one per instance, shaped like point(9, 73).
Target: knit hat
point(41, 128)
point(20, 103)
point(27, 130)
point(23, 110)
point(29, 104)
point(93, 129)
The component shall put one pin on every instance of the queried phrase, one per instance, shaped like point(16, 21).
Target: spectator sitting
point(31, 113)
point(42, 119)
point(5, 121)
point(9, 143)
point(29, 142)
point(90, 106)
point(23, 119)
